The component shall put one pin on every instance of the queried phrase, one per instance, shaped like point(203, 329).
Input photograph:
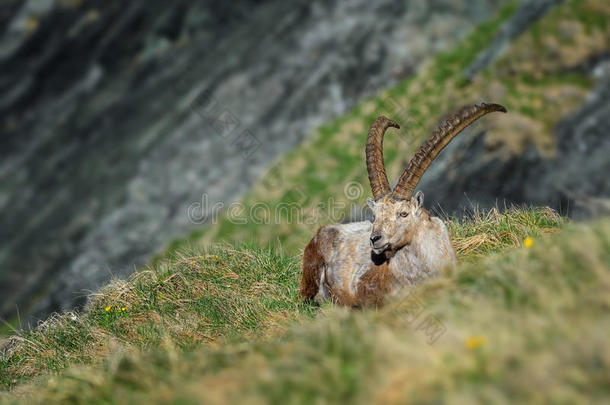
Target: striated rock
point(574, 181)
point(117, 116)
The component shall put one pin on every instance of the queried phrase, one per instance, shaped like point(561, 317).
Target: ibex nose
point(375, 238)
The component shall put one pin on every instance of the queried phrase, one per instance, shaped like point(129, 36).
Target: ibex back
point(363, 262)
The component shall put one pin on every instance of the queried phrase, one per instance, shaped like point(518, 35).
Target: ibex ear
point(419, 200)
point(371, 203)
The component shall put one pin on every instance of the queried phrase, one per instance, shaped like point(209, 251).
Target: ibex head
point(397, 212)
point(394, 221)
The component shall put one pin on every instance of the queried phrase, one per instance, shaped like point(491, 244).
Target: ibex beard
point(363, 263)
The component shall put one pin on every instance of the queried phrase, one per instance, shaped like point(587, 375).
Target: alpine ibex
point(361, 263)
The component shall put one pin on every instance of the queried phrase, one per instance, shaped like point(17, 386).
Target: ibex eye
point(404, 214)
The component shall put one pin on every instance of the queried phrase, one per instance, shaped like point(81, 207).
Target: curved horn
point(374, 156)
point(436, 143)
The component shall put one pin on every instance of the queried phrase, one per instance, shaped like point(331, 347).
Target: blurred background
point(117, 117)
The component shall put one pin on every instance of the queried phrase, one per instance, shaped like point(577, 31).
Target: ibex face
point(395, 221)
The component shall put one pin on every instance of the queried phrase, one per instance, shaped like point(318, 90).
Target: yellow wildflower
point(123, 309)
point(528, 242)
point(475, 341)
point(217, 256)
point(108, 308)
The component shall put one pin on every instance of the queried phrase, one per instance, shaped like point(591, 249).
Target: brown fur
point(375, 285)
point(314, 261)
point(342, 297)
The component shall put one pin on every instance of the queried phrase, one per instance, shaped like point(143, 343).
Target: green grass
point(216, 296)
point(520, 324)
point(199, 297)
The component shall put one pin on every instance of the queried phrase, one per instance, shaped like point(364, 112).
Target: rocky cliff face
point(116, 116)
point(574, 181)
point(572, 178)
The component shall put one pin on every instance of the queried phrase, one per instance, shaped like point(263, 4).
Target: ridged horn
point(374, 156)
point(436, 143)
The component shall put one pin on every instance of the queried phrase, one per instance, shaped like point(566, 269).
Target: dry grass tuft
point(486, 232)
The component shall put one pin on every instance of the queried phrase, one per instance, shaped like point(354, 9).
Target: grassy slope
point(224, 323)
point(215, 297)
point(536, 80)
point(521, 324)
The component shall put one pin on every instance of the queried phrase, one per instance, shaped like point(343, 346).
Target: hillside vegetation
point(526, 322)
point(539, 78)
point(523, 318)
point(215, 302)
